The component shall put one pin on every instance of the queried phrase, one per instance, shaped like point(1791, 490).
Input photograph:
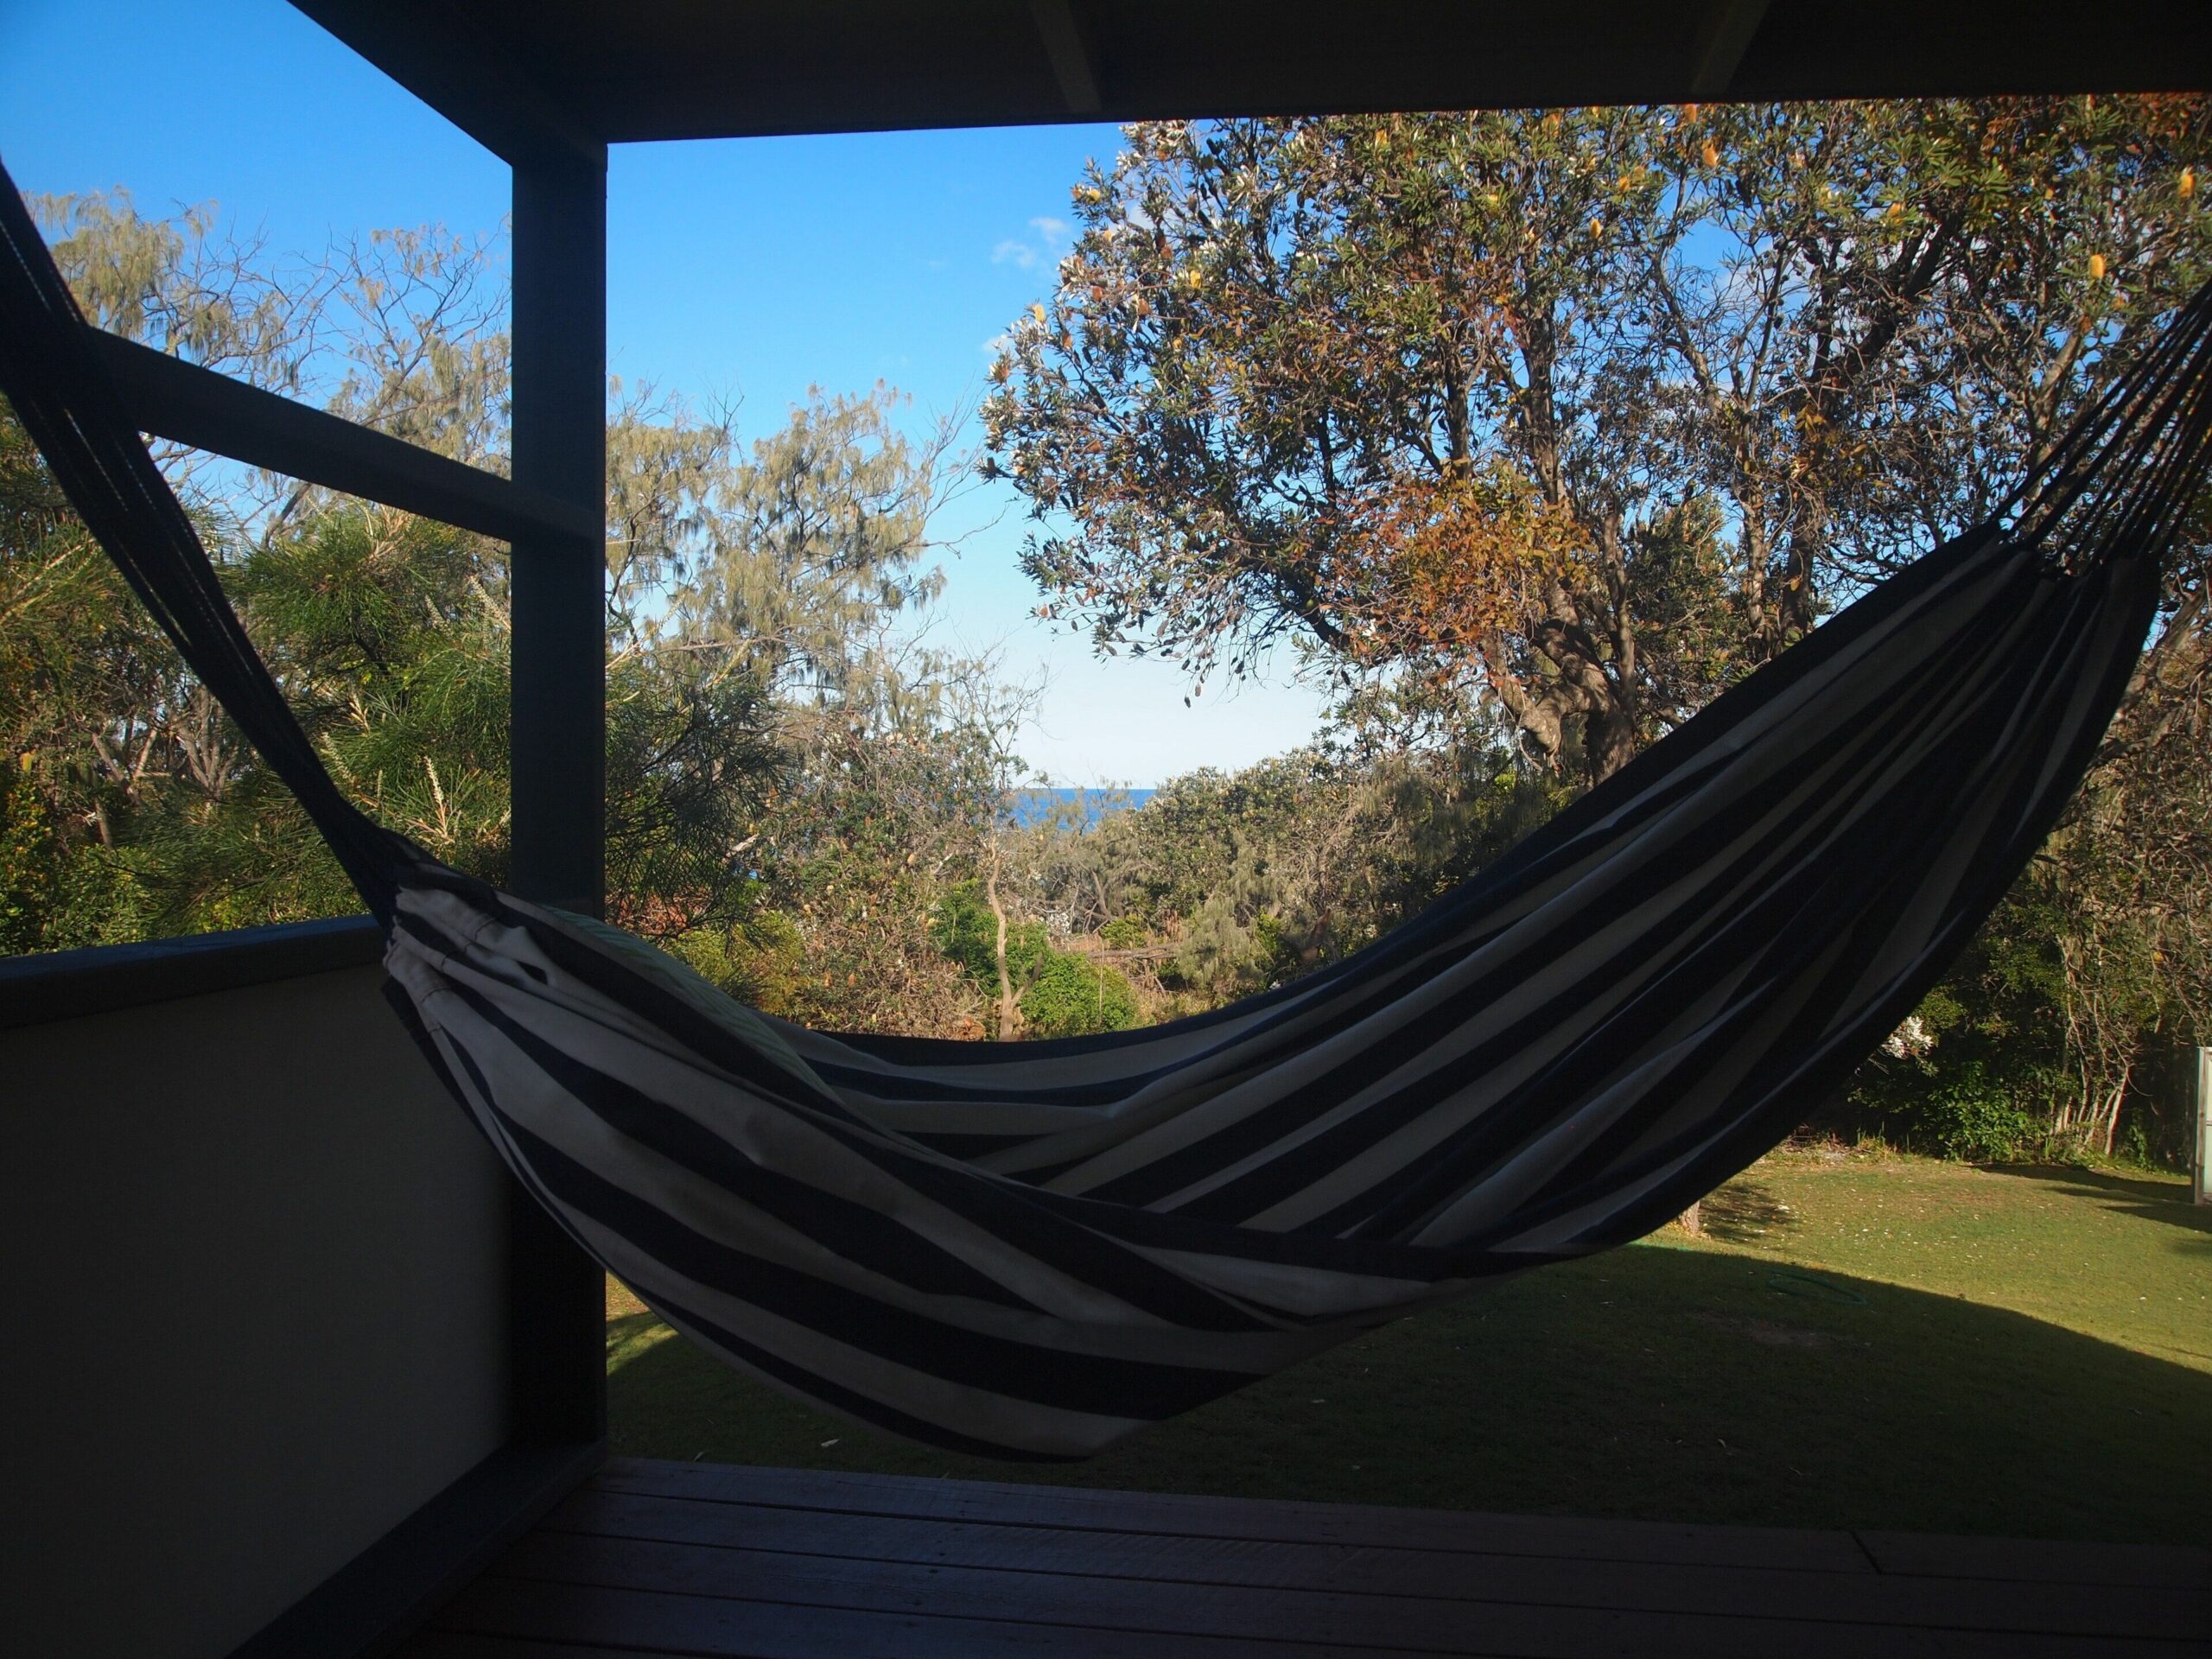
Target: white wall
point(253, 1263)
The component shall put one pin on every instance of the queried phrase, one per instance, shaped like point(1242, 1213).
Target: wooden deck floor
point(673, 1558)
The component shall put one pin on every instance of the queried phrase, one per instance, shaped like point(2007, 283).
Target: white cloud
point(1050, 240)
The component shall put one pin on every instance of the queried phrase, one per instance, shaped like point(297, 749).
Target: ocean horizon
point(1032, 806)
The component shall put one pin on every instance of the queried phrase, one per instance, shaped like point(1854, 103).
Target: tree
point(2127, 885)
point(83, 676)
point(1038, 990)
point(1227, 883)
point(801, 558)
point(1490, 404)
point(148, 799)
point(745, 594)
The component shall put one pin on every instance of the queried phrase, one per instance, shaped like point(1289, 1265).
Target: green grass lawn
point(1858, 1340)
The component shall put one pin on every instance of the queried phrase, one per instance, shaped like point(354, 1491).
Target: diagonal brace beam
point(186, 404)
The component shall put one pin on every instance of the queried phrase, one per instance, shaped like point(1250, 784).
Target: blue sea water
point(1031, 806)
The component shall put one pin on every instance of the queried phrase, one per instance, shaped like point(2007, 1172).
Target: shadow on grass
point(1743, 1210)
point(1653, 1382)
point(2167, 1201)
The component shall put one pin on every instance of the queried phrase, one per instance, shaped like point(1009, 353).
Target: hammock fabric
point(1031, 1249)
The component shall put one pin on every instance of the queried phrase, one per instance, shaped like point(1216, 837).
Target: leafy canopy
point(1575, 415)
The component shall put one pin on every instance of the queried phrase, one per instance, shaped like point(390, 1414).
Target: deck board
point(2035, 1561)
point(659, 1558)
point(1182, 1516)
point(1448, 1575)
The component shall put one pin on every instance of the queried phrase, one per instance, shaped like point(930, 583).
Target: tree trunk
point(1009, 1011)
point(1609, 741)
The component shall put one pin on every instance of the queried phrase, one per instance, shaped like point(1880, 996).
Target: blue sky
point(757, 267)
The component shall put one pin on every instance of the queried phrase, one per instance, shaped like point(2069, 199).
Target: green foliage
point(1969, 1113)
point(1124, 933)
point(133, 808)
point(759, 959)
point(1973, 1074)
point(1278, 955)
point(1526, 519)
point(1060, 992)
point(28, 863)
point(1616, 401)
point(1068, 995)
point(386, 632)
point(1233, 882)
point(90, 704)
point(964, 927)
point(794, 562)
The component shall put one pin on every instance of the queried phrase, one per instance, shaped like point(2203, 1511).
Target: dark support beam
point(464, 73)
point(1721, 44)
point(183, 402)
point(1066, 45)
point(670, 69)
point(560, 451)
point(559, 714)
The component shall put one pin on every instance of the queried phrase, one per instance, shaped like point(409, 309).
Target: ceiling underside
point(524, 74)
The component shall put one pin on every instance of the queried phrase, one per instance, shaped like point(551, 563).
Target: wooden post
point(2200, 1160)
point(559, 713)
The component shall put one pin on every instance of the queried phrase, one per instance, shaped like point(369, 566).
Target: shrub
point(1073, 996)
point(1124, 933)
point(1973, 1115)
point(1276, 951)
point(758, 960)
point(964, 927)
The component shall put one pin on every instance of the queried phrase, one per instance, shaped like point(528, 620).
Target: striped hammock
point(1032, 1250)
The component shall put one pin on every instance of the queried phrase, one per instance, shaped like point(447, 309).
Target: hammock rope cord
point(1032, 1250)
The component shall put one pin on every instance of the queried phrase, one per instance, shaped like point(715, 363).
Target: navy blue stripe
point(1107, 1385)
point(868, 1238)
point(1313, 1159)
